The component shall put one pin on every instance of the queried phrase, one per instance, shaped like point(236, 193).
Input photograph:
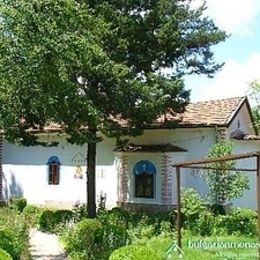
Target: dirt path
point(45, 246)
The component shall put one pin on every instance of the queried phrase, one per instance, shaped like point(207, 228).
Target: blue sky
point(240, 52)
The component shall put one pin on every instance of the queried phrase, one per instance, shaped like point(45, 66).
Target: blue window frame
point(53, 170)
point(144, 179)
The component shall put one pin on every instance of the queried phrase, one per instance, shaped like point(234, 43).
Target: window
point(144, 179)
point(53, 170)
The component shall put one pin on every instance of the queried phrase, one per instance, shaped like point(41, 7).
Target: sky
point(240, 52)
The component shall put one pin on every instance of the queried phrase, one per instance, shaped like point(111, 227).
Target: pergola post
point(258, 200)
point(178, 191)
point(196, 164)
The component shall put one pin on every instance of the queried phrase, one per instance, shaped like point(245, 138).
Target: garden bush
point(140, 225)
point(135, 252)
point(7, 243)
point(54, 220)
point(115, 216)
point(80, 211)
point(4, 255)
point(242, 222)
point(191, 207)
point(93, 240)
point(32, 214)
point(18, 203)
point(109, 238)
point(209, 224)
point(81, 238)
point(14, 235)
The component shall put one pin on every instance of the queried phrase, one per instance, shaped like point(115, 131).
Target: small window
point(53, 170)
point(144, 178)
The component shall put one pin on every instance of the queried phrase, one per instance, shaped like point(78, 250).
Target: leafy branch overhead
point(79, 63)
point(91, 65)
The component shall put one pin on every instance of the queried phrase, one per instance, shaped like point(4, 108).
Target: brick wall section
point(166, 180)
point(123, 180)
point(1, 168)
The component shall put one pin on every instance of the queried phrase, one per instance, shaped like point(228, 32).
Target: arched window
point(53, 170)
point(144, 179)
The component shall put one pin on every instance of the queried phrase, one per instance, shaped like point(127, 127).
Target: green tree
point(254, 95)
point(91, 65)
point(224, 184)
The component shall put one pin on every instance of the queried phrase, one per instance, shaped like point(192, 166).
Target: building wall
point(242, 121)
point(248, 200)
point(26, 172)
point(196, 141)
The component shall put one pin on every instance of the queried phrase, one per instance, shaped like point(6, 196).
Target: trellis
point(197, 164)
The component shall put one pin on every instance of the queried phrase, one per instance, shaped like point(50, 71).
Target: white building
point(138, 174)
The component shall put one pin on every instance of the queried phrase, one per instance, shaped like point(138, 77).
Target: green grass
point(220, 247)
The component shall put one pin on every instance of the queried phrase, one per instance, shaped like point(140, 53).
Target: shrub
point(46, 220)
point(14, 233)
point(93, 240)
point(80, 211)
point(135, 252)
point(63, 216)
point(78, 256)
point(191, 206)
point(115, 216)
point(53, 220)
point(18, 203)
point(242, 221)
point(205, 225)
point(4, 255)
point(7, 243)
point(32, 214)
point(81, 238)
point(109, 238)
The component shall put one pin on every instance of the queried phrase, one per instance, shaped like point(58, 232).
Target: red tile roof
point(213, 112)
point(205, 113)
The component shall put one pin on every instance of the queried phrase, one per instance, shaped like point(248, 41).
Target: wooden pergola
point(200, 164)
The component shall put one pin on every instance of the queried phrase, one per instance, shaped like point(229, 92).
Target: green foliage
point(18, 203)
point(224, 185)
point(4, 255)
point(135, 252)
point(191, 207)
point(109, 238)
point(32, 214)
point(93, 240)
point(87, 65)
point(115, 216)
point(7, 243)
point(140, 225)
point(82, 238)
point(80, 212)
point(242, 222)
point(54, 220)
point(253, 94)
point(14, 233)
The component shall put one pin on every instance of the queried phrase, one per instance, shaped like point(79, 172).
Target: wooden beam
point(178, 219)
point(213, 168)
point(219, 159)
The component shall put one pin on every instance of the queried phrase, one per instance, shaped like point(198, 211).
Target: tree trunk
point(91, 180)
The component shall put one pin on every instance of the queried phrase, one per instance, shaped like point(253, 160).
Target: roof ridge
point(217, 100)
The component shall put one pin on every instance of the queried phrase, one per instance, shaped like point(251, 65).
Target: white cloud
point(233, 80)
point(233, 16)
